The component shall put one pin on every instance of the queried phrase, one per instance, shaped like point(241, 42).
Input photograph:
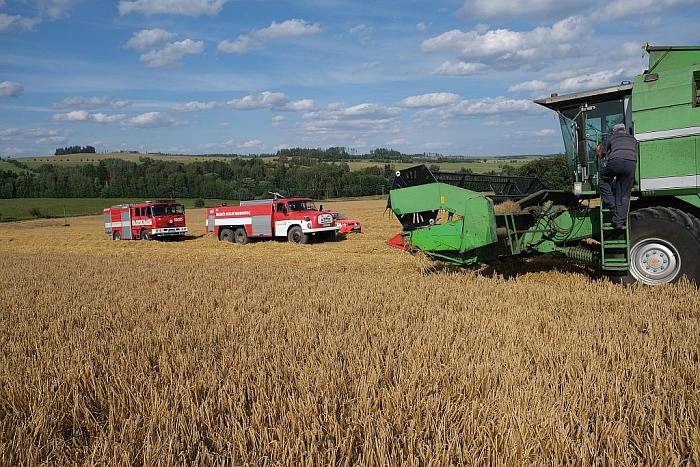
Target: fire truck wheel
point(295, 235)
point(145, 235)
point(116, 236)
point(240, 236)
point(226, 235)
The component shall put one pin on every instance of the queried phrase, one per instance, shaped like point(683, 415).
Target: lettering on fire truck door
point(126, 224)
point(262, 225)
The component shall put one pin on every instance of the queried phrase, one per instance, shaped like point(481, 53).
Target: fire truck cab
point(145, 221)
point(297, 219)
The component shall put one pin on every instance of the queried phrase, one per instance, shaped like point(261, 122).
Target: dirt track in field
point(345, 352)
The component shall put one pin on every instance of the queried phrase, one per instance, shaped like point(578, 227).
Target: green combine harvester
point(661, 244)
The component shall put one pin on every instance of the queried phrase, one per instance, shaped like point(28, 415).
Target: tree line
point(74, 150)
point(236, 178)
point(231, 179)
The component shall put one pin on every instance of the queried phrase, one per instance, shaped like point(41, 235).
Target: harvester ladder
point(614, 248)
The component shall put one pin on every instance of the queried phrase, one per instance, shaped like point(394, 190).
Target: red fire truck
point(144, 221)
point(298, 219)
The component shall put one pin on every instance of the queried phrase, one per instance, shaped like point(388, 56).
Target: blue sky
point(205, 76)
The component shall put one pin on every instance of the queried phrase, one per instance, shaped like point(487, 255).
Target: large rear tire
point(664, 246)
point(296, 235)
point(226, 235)
point(240, 236)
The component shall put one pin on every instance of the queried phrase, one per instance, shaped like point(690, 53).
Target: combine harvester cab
point(296, 219)
point(661, 241)
point(145, 221)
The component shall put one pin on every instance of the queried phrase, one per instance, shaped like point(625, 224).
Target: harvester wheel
point(116, 236)
point(226, 235)
point(664, 246)
point(145, 235)
point(240, 236)
point(296, 235)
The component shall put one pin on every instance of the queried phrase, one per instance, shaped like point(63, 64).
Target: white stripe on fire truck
point(233, 221)
point(113, 225)
point(281, 227)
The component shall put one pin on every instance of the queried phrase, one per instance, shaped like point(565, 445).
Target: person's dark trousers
point(616, 180)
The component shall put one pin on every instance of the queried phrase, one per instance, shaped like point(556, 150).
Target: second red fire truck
point(296, 219)
point(145, 221)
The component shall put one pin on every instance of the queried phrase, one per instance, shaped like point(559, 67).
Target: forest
point(235, 178)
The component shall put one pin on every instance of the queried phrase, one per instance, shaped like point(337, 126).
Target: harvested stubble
point(348, 353)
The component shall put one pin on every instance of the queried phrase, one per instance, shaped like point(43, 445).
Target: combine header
point(661, 243)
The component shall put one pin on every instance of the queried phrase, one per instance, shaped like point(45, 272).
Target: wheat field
point(348, 353)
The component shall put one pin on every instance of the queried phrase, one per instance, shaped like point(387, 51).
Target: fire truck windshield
point(167, 209)
point(301, 206)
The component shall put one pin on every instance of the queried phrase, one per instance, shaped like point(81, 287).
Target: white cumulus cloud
point(16, 22)
point(150, 120)
point(194, 106)
point(624, 8)
point(532, 85)
point(593, 80)
point(508, 8)
point(434, 99)
point(460, 68)
point(156, 51)
point(270, 100)
point(422, 26)
point(148, 38)
point(90, 103)
point(491, 106)
point(85, 116)
point(351, 122)
point(55, 9)
point(507, 49)
point(256, 39)
point(104, 118)
point(171, 53)
point(172, 7)
point(38, 135)
point(10, 89)
point(74, 116)
point(251, 144)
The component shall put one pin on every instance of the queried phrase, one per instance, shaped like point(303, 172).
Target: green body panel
point(668, 157)
point(693, 200)
point(666, 99)
point(432, 197)
point(470, 222)
point(553, 229)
